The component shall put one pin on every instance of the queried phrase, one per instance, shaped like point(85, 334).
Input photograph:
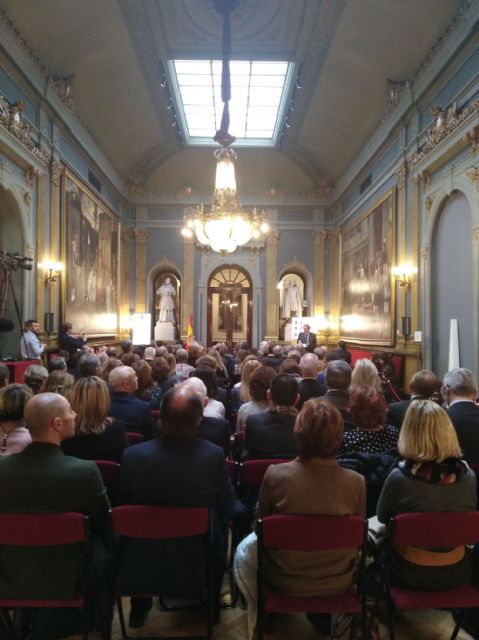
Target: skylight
point(258, 93)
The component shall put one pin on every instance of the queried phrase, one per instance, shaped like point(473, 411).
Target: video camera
point(14, 261)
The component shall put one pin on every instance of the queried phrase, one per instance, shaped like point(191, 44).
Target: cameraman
point(30, 345)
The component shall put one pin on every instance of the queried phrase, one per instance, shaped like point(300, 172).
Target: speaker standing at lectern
point(306, 338)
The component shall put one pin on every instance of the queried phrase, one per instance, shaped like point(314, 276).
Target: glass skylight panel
point(257, 93)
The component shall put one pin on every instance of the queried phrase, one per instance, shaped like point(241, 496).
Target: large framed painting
point(91, 234)
point(367, 294)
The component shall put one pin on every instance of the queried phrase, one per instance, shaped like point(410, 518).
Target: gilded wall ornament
point(473, 137)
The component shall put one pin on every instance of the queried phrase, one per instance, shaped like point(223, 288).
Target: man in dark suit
point(310, 387)
point(307, 339)
point(42, 479)
point(133, 412)
point(274, 358)
point(215, 430)
point(423, 385)
point(270, 434)
point(338, 379)
point(460, 390)
point(342, 352)
point(177, 469)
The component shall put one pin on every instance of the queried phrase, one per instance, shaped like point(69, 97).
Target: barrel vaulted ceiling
point(113, 51)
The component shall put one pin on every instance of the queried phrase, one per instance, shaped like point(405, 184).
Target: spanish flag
point(189, 332)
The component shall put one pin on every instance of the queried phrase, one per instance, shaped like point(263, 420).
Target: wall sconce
point(403, 274)
point(52, 270)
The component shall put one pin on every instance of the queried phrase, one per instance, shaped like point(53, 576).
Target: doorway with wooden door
point(229, 305)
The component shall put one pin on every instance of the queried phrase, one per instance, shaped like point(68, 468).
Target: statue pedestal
point(165, 331)
point(288, 332)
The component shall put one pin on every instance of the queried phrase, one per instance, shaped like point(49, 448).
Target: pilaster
point(271, 286)
point(319, 237)
point(188, 282)
point(141, 237)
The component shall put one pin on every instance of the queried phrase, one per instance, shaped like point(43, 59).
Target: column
point(40, 247)
point(125, 276)
point(402, 254)
point(271, 286)
point(334, 273)
point(188, 285)
point(318, 284)
point(140, 236)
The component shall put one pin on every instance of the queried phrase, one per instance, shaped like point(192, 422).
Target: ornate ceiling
point(113, 49)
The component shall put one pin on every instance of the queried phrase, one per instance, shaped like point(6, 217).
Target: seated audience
point(270, 434)
point(310, 387)
point(88, 364)
point(125, 406)
point(209, 362)
point(213, 408)
point(222, 375)
point(368, 411)
point(258, 389)
point(182, 369)
point(431, 477)
point(460, 390)
point(274, 358)
point(312, 484)
point(162, 381)
point(14, 436)
point(45, 480)
point(129, 358)
point(34, 376)
point(97, 437)
point(423, 385)
point(338, 378)
point(145, 380)
point(57, 363)
point(4, 375)
point(126, 346)
point(365, 374)
point(213, 429)
point(110, 364)
point(291, 367)
point(58, 381)
point(177, 470)
point(342, 352)
point(240, 394)
point(149, 354)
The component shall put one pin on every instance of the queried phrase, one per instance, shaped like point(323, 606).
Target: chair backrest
point(42, 529)
point(109, 471)
point(311, 532)
point(252, 471)
point(232, 469)
point(439, 529)
point(134, 437)
point(144, 521)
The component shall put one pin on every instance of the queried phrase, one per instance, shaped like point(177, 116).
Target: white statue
point(292, 300)
point(167, 305)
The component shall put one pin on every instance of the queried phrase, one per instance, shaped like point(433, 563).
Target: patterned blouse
point(362, 441)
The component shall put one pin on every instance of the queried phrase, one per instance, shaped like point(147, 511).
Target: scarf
point(446, 472)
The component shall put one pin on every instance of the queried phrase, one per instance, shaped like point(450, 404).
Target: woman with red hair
point(368, 408)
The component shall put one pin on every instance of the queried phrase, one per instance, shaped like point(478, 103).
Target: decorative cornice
point(12, 119)
point(445, 124)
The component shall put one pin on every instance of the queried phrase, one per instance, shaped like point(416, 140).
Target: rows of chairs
point(289, 532)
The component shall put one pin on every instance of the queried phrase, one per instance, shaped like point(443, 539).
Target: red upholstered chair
point(109, 472)
point(430, 530)
point(134, 437)
point(252, 471)
point(41, 530)
point(237, 440)
point(161, 523)
point(311, 533)
point(232, 468)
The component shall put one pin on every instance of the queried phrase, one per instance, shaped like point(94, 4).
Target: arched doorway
point(452, 283)
point(229, 305)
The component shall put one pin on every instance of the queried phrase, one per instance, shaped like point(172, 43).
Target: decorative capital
point(319, 237)
point(273, 237)
point(401, 175)
point(425, 177)
point(30, 174)
point(428, 203)
point(140, 235)
point(473, 138)
point(473, 174)
point(56, 171)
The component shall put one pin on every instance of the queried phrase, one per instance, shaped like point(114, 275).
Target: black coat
point(465, 418)
point(270, 435)
point(133, 412)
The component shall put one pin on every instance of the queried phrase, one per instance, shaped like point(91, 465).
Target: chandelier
point(226, 226)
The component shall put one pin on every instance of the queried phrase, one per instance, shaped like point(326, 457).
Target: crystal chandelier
point(225, 227)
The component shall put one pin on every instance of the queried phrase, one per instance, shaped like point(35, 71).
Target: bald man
point(42, 479)
point(177, 469)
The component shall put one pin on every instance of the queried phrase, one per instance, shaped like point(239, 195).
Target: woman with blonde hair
point(365, 374)
point(431, 477)
point(97, 437)
point(14, 436)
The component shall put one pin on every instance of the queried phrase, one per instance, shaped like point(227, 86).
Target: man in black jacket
point(423, 385)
